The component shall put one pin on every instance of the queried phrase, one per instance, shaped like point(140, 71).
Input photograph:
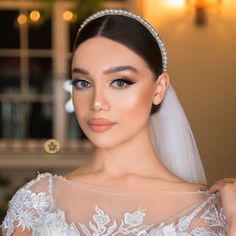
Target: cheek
point(80, 103)
point(132, 106)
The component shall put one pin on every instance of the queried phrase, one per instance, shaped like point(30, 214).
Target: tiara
point(136, 17)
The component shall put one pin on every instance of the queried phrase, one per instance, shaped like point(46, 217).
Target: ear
point(161, 85)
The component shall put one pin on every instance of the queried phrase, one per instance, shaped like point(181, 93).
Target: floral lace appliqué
point(132, 223)
point(24, 208)
point(35, 212)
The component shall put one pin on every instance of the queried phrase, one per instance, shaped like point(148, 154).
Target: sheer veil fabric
point(173, 140)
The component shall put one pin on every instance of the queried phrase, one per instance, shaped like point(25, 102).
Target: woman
point(119, 77)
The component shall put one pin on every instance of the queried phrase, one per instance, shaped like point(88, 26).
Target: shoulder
point(28, 204)
point(32, 190)
point(183, 185)
point(40, 183)
point(37, 188)
point(179, 185)
point(192, 186)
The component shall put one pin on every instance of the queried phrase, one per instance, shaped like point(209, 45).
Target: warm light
point(176, 3)
point(68, 16)
point(35, 15)
point(21, 19)
point(203, 8)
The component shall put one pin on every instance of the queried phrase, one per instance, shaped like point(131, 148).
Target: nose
point(100, 102)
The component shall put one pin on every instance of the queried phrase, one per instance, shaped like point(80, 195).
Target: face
point(113, 91)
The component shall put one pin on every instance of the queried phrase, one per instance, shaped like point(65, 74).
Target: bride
point(145, 177)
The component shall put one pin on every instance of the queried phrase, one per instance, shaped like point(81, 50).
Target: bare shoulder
point(174, 183)
point(179, 185)
point(182, 185)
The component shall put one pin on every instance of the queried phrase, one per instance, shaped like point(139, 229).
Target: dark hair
point(129, 32)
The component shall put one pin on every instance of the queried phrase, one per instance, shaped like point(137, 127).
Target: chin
point(110, 141)
point(103, 144)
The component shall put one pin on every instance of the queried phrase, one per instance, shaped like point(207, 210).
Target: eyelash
point(125, 80)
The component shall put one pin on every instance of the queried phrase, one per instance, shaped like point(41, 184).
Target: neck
point(135, 157)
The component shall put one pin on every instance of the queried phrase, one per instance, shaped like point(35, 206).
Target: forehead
point(103, 52)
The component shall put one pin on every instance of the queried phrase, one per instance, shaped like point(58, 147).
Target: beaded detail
point(139, 19)
point(36, 212)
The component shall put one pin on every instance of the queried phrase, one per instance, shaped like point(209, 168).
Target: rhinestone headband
point(133, 16)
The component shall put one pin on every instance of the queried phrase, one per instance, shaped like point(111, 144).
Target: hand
point(227, 189)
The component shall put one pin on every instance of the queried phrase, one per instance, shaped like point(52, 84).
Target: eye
point(122, 83)
point(81, 84)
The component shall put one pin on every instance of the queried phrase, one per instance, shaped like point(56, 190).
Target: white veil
point(173, 140)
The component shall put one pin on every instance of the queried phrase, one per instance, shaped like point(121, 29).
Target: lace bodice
point(51, 205)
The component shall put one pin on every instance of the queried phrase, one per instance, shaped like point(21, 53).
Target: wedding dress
point(52, 205)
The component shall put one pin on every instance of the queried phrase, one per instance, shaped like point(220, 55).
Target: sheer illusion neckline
point(38, 210)
point(121, 190)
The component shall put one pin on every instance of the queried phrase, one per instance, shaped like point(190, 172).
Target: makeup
point(100, 124)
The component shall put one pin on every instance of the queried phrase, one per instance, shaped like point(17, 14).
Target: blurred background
point(36, 39)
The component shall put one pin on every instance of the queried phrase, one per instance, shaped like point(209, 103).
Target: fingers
point(223, 185)
point(215, 187)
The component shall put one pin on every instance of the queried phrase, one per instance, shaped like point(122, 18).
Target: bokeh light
point(68, 15)
point(176, 3)
point(22, 19)
point(35, 15)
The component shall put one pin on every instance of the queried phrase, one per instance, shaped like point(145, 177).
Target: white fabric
point(173, 140)
point(54, 206)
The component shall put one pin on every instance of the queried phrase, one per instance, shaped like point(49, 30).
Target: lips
point(100, 124)
point(100, 121)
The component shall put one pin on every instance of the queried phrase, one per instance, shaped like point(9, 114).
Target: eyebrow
point(120, 68)
point(107, 71)
point(80, 71)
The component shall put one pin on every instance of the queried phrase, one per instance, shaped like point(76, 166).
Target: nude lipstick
point(100, 124)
